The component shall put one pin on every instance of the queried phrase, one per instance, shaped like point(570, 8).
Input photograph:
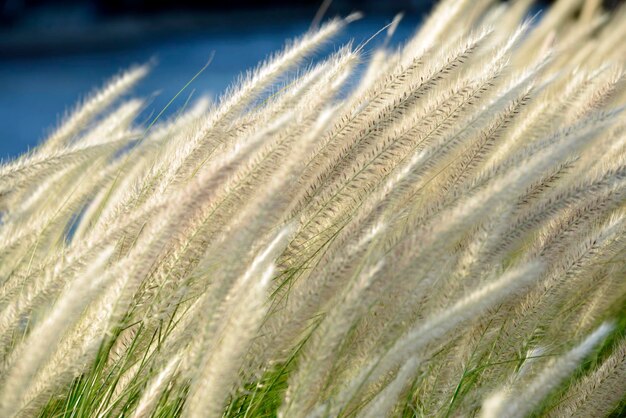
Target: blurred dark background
point(53, 52)
point(62, 26)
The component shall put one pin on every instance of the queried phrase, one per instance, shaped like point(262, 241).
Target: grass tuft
point(445, 238)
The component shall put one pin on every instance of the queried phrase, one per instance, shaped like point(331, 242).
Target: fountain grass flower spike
point(444, 238)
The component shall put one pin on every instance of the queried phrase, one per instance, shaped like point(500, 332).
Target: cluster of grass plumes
point(446, 238)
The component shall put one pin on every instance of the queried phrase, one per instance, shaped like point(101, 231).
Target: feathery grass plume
point(378, 109)
point(78, 119)
point(427, 237)
point(133, 189)
point(437, 326)
point(152, 393)
point(446, 15)
point(336, 324)
point(518, 404)
point(384, 402)
point(15, 179)
point(598, 392)
point(221, 363)
point(248, 90)
point(114, 124)
point(25, 361)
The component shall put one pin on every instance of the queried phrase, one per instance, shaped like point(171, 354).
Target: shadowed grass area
point(445, 238)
